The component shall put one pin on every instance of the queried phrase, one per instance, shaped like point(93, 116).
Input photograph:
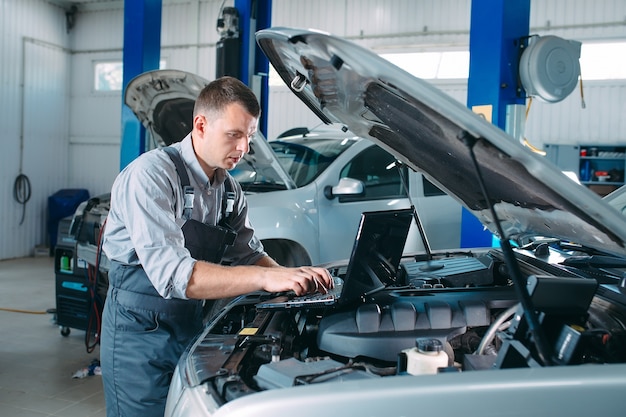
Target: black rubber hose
point(21, 192)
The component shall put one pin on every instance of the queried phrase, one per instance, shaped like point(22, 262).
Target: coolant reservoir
point(426, 357)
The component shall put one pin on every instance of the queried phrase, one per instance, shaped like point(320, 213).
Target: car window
point(430, 189)
point(256, 172)
point(306, 158)
point(377, 169)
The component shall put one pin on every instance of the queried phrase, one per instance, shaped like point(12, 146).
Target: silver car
point(306, 190)
point(533, 326)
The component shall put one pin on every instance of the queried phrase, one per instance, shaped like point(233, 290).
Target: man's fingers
point(323, 288)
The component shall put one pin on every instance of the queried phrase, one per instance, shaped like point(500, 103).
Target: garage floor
point(37, 364)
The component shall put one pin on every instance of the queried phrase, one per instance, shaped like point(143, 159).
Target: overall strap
point(184, 181)
point(228, 202)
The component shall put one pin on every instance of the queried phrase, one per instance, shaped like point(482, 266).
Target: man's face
point(221, 142)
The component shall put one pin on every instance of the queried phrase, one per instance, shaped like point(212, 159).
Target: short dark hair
point(218, 94)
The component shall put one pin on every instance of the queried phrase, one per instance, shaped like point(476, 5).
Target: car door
point(339, 216)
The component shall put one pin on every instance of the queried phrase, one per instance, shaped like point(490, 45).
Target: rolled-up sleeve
point(142, 226)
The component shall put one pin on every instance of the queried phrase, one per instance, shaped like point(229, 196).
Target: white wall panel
point(90, 157)
point(34, 97)
point(567, 122)
point(387, 24)
point(178, 25)
point(326, 15)
point(579, 19)
point(286, 111)
point(370, 18)
point(45, 141)
point(189, 35)
point(98, 30)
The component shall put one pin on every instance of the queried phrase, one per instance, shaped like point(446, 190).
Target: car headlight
point(186, 401)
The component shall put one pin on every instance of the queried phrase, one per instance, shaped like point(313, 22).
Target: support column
point(496, 30)
point(255, 15)
point(142, 51)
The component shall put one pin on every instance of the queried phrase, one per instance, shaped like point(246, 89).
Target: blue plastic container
point(61, 204)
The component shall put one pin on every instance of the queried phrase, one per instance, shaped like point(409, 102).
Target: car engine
point(465, 303)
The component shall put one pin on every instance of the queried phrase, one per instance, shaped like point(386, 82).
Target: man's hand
point(301, 280)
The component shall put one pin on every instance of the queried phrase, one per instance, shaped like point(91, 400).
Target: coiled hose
point(21, 193)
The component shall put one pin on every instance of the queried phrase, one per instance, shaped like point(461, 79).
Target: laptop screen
point(377, 252)
point(373, 265)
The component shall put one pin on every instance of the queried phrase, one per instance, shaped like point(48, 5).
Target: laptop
point(373, 264)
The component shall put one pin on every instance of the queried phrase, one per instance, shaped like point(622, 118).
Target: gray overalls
point(148, 333)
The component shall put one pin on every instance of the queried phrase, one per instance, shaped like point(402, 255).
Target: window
point(433, 65)
point(603, 61)
point(377, 169)
point(598, 61)
point(108, 76)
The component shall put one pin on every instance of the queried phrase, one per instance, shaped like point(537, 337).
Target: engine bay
point(465, 302)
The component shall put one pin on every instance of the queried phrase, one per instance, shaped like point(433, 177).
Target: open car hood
point(344, 83)
point(163, 101)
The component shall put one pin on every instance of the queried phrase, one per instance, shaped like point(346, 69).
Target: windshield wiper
point(594, 261)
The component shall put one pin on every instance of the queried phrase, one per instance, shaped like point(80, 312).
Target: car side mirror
point(346, 186)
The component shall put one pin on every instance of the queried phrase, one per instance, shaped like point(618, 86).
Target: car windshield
point(256, 180)
point(258, 171)
point(306, 158)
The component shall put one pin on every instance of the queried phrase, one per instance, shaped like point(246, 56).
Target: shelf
point(608, 158)
point(602, 183)
point(599, 167)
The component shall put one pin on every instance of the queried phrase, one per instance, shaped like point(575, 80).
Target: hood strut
point(543, 351)
point(428, 267)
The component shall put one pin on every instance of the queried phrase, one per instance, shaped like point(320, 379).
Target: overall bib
point(146, 333)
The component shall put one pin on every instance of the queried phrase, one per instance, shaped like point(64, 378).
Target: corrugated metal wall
point(34, 98)
point(71, 134)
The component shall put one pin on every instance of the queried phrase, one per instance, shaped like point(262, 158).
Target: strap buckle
point(188, 201)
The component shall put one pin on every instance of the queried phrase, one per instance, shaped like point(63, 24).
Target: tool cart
point(81, 271)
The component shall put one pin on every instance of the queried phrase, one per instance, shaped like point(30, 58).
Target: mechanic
point(172, 248)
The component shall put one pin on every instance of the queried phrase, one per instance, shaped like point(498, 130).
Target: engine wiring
point(347, 368)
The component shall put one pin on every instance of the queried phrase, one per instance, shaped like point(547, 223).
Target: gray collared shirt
point(144, 222)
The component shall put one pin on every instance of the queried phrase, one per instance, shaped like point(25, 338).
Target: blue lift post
point(496, 30)
point(255, 15)
point(142, 52)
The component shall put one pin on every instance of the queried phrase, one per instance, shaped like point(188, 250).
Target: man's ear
point(199, 123)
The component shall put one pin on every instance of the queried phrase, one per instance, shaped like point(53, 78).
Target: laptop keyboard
point(332, 294)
